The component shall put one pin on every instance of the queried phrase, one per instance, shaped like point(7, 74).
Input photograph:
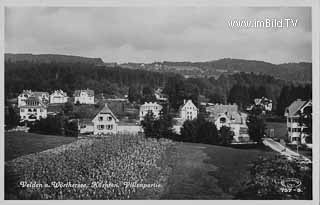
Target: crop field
point(113, 167)
point(105, 168)
point(20, 143)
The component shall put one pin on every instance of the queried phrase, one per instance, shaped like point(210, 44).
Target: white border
point(245, 3)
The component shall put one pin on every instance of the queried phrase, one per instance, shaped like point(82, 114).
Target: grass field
point(20, 143)
point(209, 172)
point(280, 129)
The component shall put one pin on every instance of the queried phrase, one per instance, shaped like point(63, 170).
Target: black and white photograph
point(159, 102)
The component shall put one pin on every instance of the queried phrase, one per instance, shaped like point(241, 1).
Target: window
point(83, 126)
point(100, 118)
point(223, 120)
point(41, 110)
point(289, 129)
point(100, 127)
point(29, 110)
point(295, 129)
point(109, 118)
point(109, 127)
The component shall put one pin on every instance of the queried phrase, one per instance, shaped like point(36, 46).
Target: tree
point(148, 95)
point(199, 131)
point(158, 128)
point(67, 108)
point(305, 121)
point(225, 135)
point(256, 127)
point(11, 118)
point(148, 124)
point(133, 94)
point(239, 95)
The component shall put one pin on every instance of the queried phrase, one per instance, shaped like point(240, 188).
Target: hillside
point(299, 72)
point(49, 58)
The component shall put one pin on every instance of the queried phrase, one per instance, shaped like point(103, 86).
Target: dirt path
point(191, 178)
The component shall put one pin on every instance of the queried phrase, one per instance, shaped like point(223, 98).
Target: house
point(33, 109)
point(102, 122)
point(160, 96)
point(58, 96)
point(230, 116)
point(155, 108)
point(264, 103)
point(188, 111)
point(43, 96)
point(84, 96)
point(296, 131)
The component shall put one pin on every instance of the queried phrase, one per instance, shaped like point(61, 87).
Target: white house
point(160, 96)
point(188, 111)
point(102, 123)
point(229, 116)
point(84, 96)
point(155, 108)
point(43, 96)
point(58, 96)
point(264, 102)
point(296, 131)
point(33, 109)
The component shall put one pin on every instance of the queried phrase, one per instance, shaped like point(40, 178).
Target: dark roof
point(294, 107)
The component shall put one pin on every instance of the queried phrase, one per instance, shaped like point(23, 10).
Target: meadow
point(21, 143)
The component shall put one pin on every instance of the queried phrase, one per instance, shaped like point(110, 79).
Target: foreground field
point(210, 172)
point(20, 143)
point(117, 167)
point(113, 168)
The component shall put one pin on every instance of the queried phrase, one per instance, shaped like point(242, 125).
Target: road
point(283, 149)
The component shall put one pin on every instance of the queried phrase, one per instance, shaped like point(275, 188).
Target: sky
point(148, 34)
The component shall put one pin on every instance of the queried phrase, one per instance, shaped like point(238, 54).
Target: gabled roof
point(294, 107)
point(106, 110)
point(186, 102)
point(88, 91)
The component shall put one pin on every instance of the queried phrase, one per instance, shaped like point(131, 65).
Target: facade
point(43, 96)
point(84, 96)
point(58, 96)
point(103, 122)
point(229, 116)
point(33, 109)
point(296, 131)
point(155, 108)
point(188, 111)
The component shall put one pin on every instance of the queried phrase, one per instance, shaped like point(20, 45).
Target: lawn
point(209, 172)
point(280, 129)
point(20, 143)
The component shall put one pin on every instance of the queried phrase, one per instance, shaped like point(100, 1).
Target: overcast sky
point(147, 34)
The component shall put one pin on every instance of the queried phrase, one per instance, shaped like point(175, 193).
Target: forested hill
point(50, 58)
point(298, 72)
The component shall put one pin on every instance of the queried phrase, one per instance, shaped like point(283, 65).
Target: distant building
point(229, 116)
point(42, 96)
point(264, 103)
point(58, 96)
point(160, 96)
point(155, 108)
point(101, 123)
point(296, 132)
point(188, 111)
point(33, 109)
point(84, 96)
